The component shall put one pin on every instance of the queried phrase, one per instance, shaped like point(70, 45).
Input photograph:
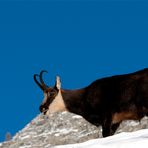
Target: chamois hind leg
point(143, 110)
point(146, 111)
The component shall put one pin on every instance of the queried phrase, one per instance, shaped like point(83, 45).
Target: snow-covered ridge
point(60, 129)
point(123, 140)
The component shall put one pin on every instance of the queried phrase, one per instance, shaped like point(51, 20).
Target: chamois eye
point(52, 93)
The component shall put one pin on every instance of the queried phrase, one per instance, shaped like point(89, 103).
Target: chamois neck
point(73, 100)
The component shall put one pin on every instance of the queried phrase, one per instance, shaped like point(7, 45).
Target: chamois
point(106, 101)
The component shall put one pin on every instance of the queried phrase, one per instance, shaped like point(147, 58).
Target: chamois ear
point(58, 83)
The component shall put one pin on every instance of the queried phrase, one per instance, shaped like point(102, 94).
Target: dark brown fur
point(109, 101)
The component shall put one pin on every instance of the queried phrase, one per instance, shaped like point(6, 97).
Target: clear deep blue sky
point(78, 40)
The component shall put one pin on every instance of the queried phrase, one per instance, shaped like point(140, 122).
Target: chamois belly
point(119, 117)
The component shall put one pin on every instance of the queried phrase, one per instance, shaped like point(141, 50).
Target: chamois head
point(53, 100)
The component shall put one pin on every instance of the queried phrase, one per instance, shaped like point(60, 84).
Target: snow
point(77, 117)
point(134, 139)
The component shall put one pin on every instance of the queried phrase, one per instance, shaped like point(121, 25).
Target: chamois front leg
point(114, 128)
point(106, 127)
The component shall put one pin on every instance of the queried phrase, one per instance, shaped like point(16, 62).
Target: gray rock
point(62, 128)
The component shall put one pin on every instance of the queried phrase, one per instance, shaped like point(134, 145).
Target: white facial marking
point(45, 98)
point(57, 104)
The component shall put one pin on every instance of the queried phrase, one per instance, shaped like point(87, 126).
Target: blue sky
point(78, 40)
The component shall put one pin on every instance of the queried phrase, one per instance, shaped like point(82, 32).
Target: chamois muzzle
point(43, 109)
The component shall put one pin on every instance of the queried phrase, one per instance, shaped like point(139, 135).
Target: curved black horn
point(41, 84)
point(35, 79)
point(41, 79)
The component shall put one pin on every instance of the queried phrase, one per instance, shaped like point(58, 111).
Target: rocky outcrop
point(62, 128)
